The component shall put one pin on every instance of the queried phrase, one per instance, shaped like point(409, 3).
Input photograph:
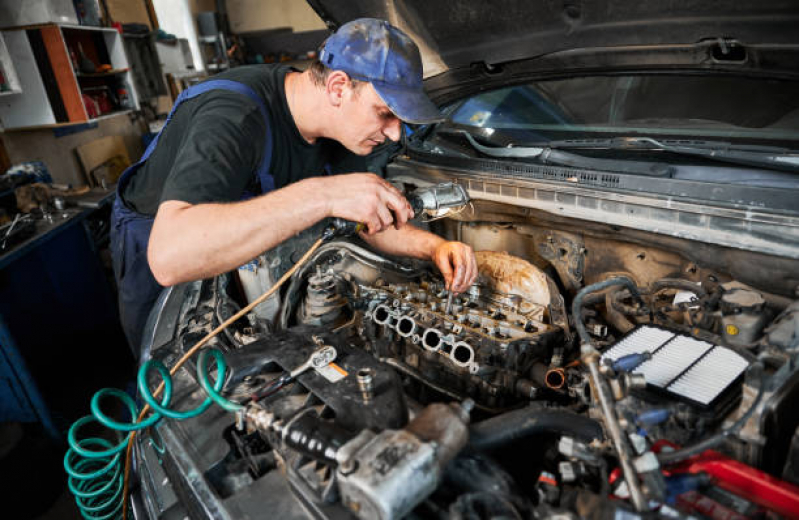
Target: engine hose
point(532, 420)
point(94, 465)
point(668, 458)
point(577, 303)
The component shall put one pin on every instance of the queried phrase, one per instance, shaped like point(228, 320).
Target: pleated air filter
point(683, 366)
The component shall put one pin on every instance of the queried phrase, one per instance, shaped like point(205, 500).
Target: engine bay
point(580, 377)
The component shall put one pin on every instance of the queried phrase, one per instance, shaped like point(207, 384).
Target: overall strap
point(264, 177)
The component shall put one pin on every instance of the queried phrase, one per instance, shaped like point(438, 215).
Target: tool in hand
point(449, 302)
point(436, 201)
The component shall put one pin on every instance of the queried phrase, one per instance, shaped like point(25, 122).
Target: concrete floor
point(63, 508)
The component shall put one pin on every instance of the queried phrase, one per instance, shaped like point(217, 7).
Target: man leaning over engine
point(240, 167)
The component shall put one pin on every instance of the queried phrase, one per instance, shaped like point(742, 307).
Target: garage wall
point(58, 153)
point(128, 11)
point(176, 17)
point(260, 15)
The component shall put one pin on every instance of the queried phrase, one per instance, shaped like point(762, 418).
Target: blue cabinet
point(59, 326)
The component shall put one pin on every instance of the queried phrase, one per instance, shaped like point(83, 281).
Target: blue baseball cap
point(372, 50)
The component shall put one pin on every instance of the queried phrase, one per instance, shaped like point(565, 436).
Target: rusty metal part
point(512, 275)
point(615, 317)
point(323, 304)
point(544, 375)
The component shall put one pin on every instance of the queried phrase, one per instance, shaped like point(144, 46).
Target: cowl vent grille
point(530, 171)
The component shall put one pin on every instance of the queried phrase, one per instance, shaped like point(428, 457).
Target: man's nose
point(392, 129)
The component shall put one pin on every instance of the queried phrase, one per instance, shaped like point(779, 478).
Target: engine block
point(484, 347)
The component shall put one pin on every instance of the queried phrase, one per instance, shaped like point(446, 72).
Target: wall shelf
point(106, 74)
point(53, 91)
point(9, 82)
point(67, 125)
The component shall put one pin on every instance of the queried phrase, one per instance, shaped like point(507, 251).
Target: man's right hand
point(365, 198)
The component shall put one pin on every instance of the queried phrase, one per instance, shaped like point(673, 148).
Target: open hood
point(455, 34)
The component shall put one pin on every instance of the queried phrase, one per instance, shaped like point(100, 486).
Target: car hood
point(458, 34)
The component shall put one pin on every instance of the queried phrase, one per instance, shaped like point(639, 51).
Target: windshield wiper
point(549, 155)
point(772, 157)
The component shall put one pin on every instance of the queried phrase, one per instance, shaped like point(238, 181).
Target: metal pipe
point(366, 381)
point(614, 429)
point(555, 378)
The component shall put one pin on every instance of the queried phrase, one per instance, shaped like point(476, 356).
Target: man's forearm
point(406, 241)
point(191, 242)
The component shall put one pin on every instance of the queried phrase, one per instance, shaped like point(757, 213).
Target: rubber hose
point(532, 420)
point(577, 303)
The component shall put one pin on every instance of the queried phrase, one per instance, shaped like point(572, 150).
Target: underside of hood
point(453, 34)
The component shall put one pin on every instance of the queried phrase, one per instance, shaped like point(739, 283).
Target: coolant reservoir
point(256, 279)
point(742, 314)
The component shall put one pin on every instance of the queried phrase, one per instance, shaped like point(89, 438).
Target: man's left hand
point(457, 264)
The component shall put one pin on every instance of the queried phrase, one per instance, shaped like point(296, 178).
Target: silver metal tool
point(320, 358)
point(449, 303)
point(438, 201)
point(10, 229)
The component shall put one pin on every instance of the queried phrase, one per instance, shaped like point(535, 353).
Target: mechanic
point(182, 212)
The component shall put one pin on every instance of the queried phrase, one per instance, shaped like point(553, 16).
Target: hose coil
point(94, 464)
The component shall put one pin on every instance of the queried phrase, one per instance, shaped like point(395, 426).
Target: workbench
point(59, 324)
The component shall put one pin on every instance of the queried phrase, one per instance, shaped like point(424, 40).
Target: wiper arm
point(548, 155)
point(726, 152)
point(772, 157)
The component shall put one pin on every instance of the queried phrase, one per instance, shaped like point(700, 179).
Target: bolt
point(365, 378)
point(348, 466)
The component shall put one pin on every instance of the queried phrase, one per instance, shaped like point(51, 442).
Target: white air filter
point(681, 365)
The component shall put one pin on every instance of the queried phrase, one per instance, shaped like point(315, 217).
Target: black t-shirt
point(211, 149)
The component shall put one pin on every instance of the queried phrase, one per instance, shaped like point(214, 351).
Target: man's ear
point(335, 87)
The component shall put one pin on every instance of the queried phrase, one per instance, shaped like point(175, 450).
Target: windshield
point(666, 106)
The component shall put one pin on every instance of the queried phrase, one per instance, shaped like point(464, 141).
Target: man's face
point(366, 121)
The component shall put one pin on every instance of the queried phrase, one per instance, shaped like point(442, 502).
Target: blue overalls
point(130, 231)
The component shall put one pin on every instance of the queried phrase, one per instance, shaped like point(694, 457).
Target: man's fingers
point(385, 217)
point(400, 213)
point(465, 266)
point(460, 270)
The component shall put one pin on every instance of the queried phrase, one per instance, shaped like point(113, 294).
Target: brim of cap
point(410, 105)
